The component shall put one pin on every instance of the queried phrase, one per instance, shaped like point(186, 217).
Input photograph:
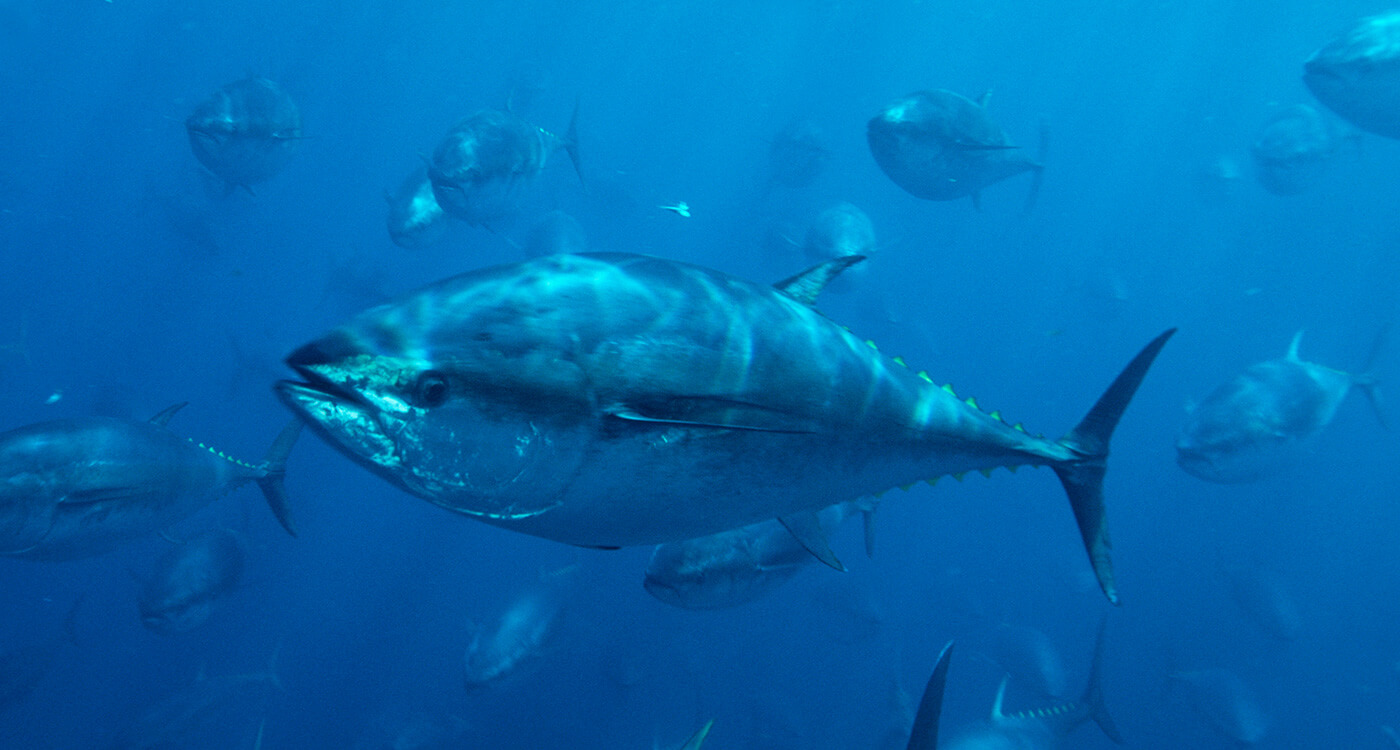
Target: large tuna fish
point(246, 132)
point(1357, 75)
point(179, 595)
point(521, 635)
point(1293, 150)
point(480, 163)
point(78, 487)
point(608, 400)
point(1253, 423)
point(737, 566)
point(942, 146)
point(415, 219)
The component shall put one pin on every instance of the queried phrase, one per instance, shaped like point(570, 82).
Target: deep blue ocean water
point(129, 283)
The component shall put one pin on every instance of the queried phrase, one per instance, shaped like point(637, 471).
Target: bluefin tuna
point(1357, 74)
point(607, 400)
point(79, 487)
point(942, 146)
point(179, 595)
point(737, 566)
point(797, 155)
point(245, 132)
point(478, 166)
point(1251, 425)
point(1293, 150)
point(1226, 704)
point(1041, 728)
point(521, 635)
point(212, 712)
point(415, 219)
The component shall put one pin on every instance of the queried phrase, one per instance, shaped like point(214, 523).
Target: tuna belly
point(675, 483)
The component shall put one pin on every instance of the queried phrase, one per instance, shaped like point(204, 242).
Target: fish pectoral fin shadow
point(1082, 476)
point(22, 533)
point(806, 528)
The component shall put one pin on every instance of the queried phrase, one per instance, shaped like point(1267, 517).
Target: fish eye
point(431, 389)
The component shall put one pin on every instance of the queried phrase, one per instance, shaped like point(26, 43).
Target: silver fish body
point(180, 593)
point(415, 219)
point(1252, 424)
point(612, 400)
point(941, 146)
point(1357, 74)
point(245, 132)
point(80, 487)
point(479, 165)
point(1293, 150)
point(732, 567)
point(519, 637)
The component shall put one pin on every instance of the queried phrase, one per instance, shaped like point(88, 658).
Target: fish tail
point(571, 144)
point(1368, 382)
point(1038, 168)
point(924, 735)
point(1082, 476)
point(274, 467)
point(1092, 700)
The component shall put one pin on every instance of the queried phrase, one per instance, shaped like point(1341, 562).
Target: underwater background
point(132, 281)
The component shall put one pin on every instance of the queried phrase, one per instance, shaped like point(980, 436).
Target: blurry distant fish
point(839, 231)
point(1264, 599)
point(246, 132)
point(555, 233)
point(22, 668)
point(1228, 705)
point(942, 146)
point(478, 165)
point(614, 399)
point(415, 219)
point(1036, 729)
point(1031, 658)
point(78, 487)
point(738, 566)
point(1218, 178)
point(420, 731)
point(1357, 74)
point(520, 636)
point(797, 155)
point(681, 209)
point(1292, 151)
point(214, 713)
point(1251, 424)
point(179, 594)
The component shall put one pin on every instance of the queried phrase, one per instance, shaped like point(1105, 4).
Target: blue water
point(129, 284)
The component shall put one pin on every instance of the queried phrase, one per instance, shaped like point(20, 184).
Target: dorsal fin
point(1293, 347)
point(984, 98)
point(163, 417)
point(805, 286)
point(997, 715)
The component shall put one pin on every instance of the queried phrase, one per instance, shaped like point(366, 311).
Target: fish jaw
point(382, 411)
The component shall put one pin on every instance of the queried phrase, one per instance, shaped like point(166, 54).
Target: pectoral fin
point(807, 530)
point(709, 412)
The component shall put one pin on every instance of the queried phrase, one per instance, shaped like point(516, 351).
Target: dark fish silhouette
point(246, 132)
point(484, 159)
point(1357, 74)
point(942, 146)
point(1293, 150)
point(180, 592)
point(78, 487)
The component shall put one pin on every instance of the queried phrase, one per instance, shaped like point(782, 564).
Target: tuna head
point(468, 393)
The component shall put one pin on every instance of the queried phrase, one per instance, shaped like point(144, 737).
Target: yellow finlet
point(948, 389)
point(958, 477)
point(985, 472)
point(900, 361)
point(1017, 427)
point(907, 487)
point(970, 401)
point(995, 415)
point(932, 482)
point(924, 377)
point(872, 345)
